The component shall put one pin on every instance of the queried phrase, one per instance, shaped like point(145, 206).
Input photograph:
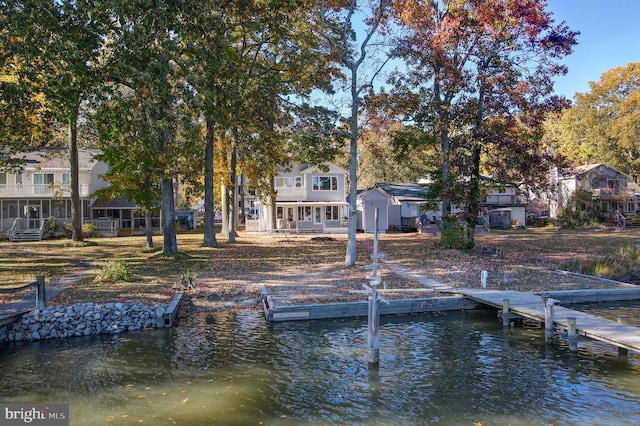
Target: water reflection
point(233, 368)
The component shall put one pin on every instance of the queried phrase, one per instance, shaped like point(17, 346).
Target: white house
point(42, 188)
point(503, 207)
point(309, 199)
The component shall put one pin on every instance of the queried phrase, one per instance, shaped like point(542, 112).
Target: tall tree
point(473, 61)
point(147, 61)
point(338, 29)
point(604, 124)
point(59, 45)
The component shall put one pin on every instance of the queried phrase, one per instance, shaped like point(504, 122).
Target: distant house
point(42, 189)
point(399, 206)
point(503, 207)
point(616, 192)
point(310, 199)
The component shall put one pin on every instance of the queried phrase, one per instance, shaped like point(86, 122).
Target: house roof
point(306, 168)
point(58, 158)
point(405, 191)
point(117, 203)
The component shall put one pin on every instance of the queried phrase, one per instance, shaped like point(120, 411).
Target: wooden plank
point(531, 306)
point(360, 309)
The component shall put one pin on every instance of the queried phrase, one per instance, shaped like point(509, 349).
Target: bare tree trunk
point(169, 216)
point(148, 228)
point(76, 205)
point(350, 259)
point(209, 205)
point(224, 201)
point(233, 178)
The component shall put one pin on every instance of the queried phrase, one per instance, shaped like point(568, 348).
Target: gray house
point(399, 206)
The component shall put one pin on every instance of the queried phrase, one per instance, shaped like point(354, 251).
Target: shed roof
point(405, 191)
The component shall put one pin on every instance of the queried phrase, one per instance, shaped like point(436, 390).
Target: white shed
point(368, 202)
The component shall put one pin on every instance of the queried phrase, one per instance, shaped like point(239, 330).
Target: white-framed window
point(66, 179)
point(41, 182)
point(325, 183)
point(284, 182)
point(289, 182)
point(331, 213)
point(304, 212)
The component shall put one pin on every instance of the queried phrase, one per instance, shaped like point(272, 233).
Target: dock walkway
point(532, 306)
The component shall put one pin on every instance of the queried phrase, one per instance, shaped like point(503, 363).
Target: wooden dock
point(532, 306)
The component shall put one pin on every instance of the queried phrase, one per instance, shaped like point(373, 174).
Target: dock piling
point(549, 327)
point(40, 292)
point(572, 334)
point(506, 317)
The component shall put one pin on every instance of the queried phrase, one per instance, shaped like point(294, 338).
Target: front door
point(34, 217)
point(317, 216)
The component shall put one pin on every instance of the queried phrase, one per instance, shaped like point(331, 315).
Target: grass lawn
point(255, 256)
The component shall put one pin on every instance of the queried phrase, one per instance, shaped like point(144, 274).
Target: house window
point(3, 178)
point(289, 182)
point(331, 213)
point(325, 183)
point(284, 182)
point(304, 212)
point(65, 179)
point(613, 183)
point(41, 182)
point(279, 213)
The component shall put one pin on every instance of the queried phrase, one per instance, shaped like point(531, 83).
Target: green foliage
point(88, 230)
point(602, 126)
point(581, 211)
point(114, 271)
point(50, 225)
point(454, 235)
point(622, 267)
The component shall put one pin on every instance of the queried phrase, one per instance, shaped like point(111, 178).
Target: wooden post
point(483, 279)
point(373, 337)
point(622, 319)
point(505, 312)
point(40, 293)
point(549, 327)
point(572, 334)
point(373, 322)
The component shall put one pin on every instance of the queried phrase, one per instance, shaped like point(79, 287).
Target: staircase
point(633, 220)
point(24, 235)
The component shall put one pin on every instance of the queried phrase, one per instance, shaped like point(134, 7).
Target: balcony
point(613, 194)
point(291, 194)
point(39, 191)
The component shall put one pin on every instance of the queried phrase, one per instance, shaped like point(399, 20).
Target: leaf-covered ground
point(304, 269)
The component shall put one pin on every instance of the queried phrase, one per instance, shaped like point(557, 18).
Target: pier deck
point(531, 306)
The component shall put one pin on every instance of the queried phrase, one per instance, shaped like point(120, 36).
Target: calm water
point(235, 369)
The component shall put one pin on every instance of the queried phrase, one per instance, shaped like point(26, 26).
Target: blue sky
point(609, 38)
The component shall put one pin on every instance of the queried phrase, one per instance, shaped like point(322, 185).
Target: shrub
point(114, 271)
point(454, 235)
point(50, 225)
point(88, 230)
point(186, 281)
